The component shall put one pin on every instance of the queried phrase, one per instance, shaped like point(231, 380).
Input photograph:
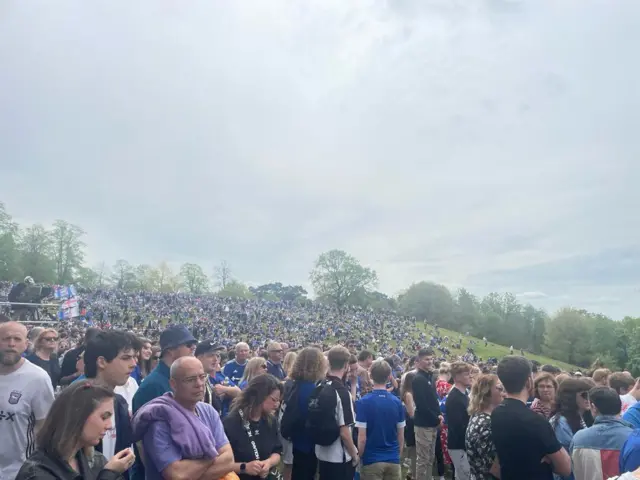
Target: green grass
point(493, 349)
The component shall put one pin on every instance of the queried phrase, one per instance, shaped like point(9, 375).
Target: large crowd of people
point(179, 386)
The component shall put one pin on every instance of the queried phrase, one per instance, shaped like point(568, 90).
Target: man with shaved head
point(181, 436)
point(234, 369)
point(26, 395)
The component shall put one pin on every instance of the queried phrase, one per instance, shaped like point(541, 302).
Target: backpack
point(321, 424)
point(291, 419)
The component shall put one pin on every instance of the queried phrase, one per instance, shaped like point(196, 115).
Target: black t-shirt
point(522, 438)
point(51, 366)
point(457, 419)
point(265, 434)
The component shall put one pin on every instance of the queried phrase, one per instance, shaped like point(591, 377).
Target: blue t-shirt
point(301, 440)
point(160, 449)
point(358, 388)
point(219, 379)
point(381, 414)
point(234, 371)
point(632, 415)
point(630, 453)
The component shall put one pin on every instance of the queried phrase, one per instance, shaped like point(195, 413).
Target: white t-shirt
point(26, 396)
point(128, 390)
point(627, 400)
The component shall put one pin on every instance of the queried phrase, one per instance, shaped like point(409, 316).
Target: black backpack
point(321, 425)
point(291, 419)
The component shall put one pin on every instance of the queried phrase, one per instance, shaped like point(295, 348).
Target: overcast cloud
point(489, 144)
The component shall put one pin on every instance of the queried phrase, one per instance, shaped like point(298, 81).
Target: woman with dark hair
point(572, 402)
point(143, 368)
point(155, 357)
point(252, 428)
point(544, 392)
point(406, 393)
point(77, 421)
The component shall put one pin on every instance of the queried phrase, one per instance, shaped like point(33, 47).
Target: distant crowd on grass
point(181, 386)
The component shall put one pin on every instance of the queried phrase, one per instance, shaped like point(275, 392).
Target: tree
point(167, 280)
point(467, 316)
point(428, 301)
point(36, 252)
point(8, 249)
point(338, 275)
point(222, 274)
point(277, 291)
point(146, 277)
point(568, 338)
point(87, 278)
point(68, 250)
point(193, 278)
point(124, 276)
point(235, 289)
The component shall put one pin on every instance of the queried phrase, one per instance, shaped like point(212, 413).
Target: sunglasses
point(584, 395)
point(50, 339)
point(263, 366)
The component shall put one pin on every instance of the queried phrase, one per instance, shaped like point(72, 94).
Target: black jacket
point(457, 419)
point(124, 432)
point(41, 466)
point(426, 400)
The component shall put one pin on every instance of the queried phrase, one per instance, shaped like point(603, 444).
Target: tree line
point(56, 255)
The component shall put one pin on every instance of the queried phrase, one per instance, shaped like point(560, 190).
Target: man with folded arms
point(182, 437)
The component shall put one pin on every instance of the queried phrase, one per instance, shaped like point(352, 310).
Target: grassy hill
point(492, 349)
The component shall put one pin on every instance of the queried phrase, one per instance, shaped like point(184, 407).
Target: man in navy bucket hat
point(175, 342)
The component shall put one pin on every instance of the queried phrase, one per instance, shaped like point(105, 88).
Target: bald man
point(164, 435)
point(234, 369)
point(26, 395)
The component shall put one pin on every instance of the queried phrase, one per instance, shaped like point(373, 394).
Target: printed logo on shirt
point(14, 397)
point(7, 416)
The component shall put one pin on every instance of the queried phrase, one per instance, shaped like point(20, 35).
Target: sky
point(491, 144)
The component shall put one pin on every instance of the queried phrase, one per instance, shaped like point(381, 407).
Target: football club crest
point(14, 397)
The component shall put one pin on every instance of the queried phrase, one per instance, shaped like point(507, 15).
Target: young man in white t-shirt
point(26, 395)
point(109, 359)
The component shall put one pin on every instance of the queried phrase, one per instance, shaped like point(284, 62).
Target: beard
point(9, 359)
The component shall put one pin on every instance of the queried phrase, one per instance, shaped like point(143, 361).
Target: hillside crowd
point(180, 386)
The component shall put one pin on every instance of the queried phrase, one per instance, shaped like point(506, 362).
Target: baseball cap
point(174, 336)
point(207, 346)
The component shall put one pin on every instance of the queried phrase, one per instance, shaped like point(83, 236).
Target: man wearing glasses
point(181, 436)
point(175, 342)
point(274, 364)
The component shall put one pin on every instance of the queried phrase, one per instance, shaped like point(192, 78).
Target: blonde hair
point(289, 360)
point(254, 368)
point(480, 397)
point(38, 341)
point(445, 369)
point(601, 375)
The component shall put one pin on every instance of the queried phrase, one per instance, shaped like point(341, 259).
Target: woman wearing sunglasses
point(255, 367)
point(45, 349)
point(572, 401)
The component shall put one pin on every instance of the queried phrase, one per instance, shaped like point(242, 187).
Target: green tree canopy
point(337, 275)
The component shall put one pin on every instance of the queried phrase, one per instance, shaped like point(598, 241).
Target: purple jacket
point(188, 432)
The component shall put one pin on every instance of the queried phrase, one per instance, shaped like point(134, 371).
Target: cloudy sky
point(491, 144)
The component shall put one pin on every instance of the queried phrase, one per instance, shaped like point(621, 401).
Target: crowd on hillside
point(163, 386)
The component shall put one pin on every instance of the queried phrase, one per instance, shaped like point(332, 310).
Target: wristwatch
point(243, 467)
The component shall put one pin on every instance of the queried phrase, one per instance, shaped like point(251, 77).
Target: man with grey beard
point(26, 395)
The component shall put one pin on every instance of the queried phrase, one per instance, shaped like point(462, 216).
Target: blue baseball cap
point(174, 336)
